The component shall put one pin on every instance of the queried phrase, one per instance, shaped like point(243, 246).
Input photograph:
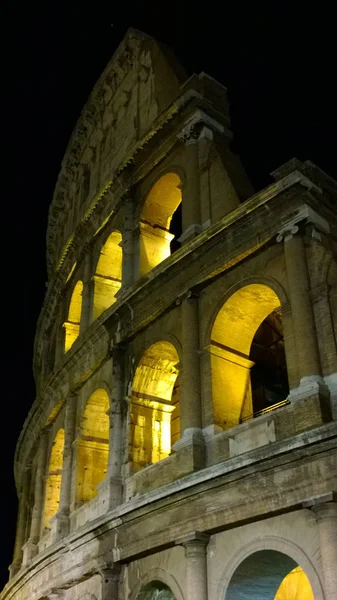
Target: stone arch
point(161, 202)
point(108, 273)
point(53, 479)
point(92, 446)
point(72, 325)
point(263, 280)
point(154, 401)
point(295, 555)
point(161, 576)
point(247, 332)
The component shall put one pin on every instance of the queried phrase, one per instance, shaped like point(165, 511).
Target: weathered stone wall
point(267, 482)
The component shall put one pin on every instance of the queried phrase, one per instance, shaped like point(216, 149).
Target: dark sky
point(278, 61)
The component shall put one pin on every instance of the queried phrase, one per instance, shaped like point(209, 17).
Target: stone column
point(195, 545)
point(191, 216)
point(20, 537)
point(301, 306)
point(326, 517)
point(31, 547)
point(110, 582)
point(110, 490)
point(308, 358)
point(113, 481)
point(61, 521)
point(128, 266)
point(87, 294)
point(190, 409)
point(190, 447)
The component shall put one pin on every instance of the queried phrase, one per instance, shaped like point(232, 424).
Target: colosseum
point(182, 444)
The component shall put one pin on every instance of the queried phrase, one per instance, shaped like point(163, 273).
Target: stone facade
point(182, 443)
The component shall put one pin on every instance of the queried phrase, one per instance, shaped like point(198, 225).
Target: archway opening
point(160, 222)
point(108, 275)
point(156, 590)
point(155, 421)
point(72, 325)
point(53, 479)
point(249, 373)
point(269, 575)
point(93, 446)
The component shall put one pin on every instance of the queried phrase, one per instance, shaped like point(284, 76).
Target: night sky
point(278, 63)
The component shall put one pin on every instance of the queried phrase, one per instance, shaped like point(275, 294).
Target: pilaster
point(325, 511)
point(190, 447)
point(195, 545)
point(111, 487)
point(60, 522)
point(30, 549)
point(311, 382)
point(21, 524)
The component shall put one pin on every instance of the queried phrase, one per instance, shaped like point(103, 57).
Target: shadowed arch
point(162, 576)
point(155, 423)
point(155, 590)
point(272, 544)
point(269, 575)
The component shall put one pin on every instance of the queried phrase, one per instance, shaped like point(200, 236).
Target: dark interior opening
point(269, 377)
point(176, 227)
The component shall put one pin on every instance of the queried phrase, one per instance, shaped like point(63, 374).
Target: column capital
point(194, 538)
point(287, 232)
point(110, 572)
point(324, 506)
point(199, 125)
point(187, 295)
point(305, 215)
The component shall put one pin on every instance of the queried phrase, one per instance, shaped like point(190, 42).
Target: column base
point(311, 385)
point(30, 550)
point(331, 382)
point(13, 569)
point(311, 401)
point(190, 451)
point(110, 492)
point(191, 232)
point(59, 526)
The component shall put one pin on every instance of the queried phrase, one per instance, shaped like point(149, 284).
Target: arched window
point(108, 275)
point(249, 372)
point(93, 446)
point(72, 325)
point(269, 574)
point(156, 236)
point(53, 479)
point(155, 423)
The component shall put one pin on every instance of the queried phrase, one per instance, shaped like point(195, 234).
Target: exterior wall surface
point(159, 354)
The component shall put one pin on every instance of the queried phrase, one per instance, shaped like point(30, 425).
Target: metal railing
point(264, 411)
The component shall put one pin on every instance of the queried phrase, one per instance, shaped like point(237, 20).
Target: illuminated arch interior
point(108, 276)
point(270, 575)
point(248, 327)
point(156, 590)
point(155, 220)
point(72, 325)
point(93, 446)
point(155, 422)
point(53, 479)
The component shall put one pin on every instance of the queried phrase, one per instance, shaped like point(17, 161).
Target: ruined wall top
point(140, 81)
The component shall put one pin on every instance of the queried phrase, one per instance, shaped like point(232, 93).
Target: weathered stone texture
point(185, 450)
